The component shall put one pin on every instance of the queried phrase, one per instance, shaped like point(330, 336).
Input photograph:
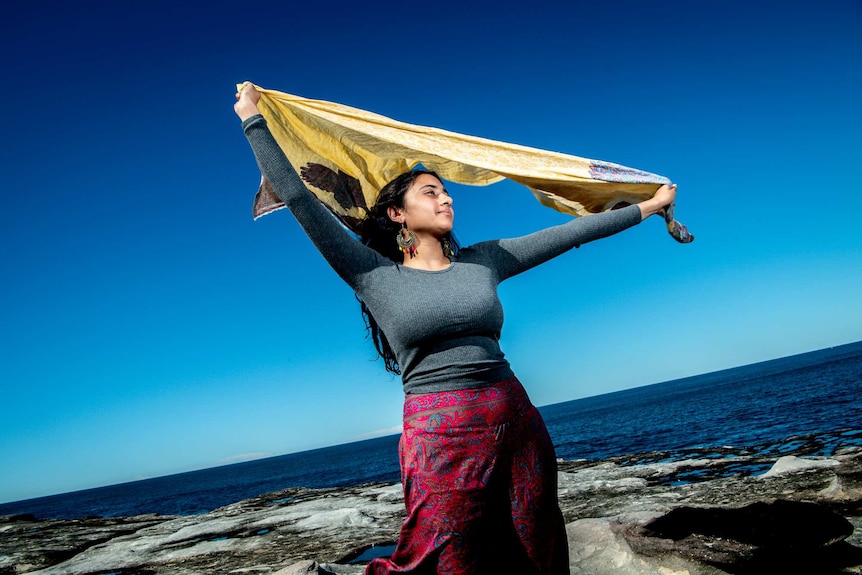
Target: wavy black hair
point(378, 232)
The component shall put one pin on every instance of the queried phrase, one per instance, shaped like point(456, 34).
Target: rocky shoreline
point(641, 516)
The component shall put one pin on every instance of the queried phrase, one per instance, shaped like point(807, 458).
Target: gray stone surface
point(695, 517)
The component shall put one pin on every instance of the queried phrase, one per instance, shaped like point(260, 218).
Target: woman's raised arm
point(347, 256)
point(515, 255)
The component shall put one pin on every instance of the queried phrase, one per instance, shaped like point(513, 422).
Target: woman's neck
point(428, 256)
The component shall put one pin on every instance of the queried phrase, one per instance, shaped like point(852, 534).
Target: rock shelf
point(648, 516)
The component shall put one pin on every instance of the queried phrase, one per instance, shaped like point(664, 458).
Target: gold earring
point(446, 244)
point(406, 240)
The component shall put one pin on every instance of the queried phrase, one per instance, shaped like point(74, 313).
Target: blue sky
point(149, 326)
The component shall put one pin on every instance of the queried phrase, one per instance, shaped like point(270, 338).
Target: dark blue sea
point(809, 404)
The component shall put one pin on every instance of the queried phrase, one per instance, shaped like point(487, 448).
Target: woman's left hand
point(662, 198)
point(665, 195)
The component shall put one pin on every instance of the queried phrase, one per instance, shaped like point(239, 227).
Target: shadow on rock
point(764, 537)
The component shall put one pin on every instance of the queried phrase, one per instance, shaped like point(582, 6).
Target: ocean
point(809, 404)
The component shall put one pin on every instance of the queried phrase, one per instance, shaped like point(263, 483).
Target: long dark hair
point(378, 232)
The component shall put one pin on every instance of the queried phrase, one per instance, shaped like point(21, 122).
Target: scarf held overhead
point(346, 155)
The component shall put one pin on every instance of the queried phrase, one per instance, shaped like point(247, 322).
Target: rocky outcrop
point(642, 516)
point(802, 516)
point(256, 535)
point(765, 537)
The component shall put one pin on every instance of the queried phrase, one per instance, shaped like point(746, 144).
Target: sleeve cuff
point(253, 121)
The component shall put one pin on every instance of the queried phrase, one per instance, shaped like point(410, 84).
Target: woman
point(477, 465)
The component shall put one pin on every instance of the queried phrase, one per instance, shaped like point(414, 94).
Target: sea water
point(808, 404)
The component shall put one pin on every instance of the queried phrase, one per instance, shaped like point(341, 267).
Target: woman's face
point(428, 207)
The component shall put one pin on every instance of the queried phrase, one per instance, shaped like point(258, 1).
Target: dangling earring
point(406, 240)
point(447, 246)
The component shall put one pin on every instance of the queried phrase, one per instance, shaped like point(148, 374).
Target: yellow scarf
point(347, 155)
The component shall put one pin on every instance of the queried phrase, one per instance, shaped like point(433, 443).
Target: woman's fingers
point(666, 194)
point(246, 101)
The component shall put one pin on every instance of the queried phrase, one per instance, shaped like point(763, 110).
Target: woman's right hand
point(246, 101)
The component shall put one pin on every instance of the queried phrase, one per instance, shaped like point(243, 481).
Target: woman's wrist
point(649, 207)
point(246, 110)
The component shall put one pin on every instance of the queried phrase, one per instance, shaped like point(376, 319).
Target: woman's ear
point(395, 214)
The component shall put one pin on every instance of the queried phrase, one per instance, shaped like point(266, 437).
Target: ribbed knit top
point(444, 326)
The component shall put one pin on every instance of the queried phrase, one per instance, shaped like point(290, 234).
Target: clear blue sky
point(149, 326)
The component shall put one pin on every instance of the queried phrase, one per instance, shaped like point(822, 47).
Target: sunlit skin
point(427, 207)
point(428, 213)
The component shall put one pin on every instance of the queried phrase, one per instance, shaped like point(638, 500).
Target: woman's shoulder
point(482, 249)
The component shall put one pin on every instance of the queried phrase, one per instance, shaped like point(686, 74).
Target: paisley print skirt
point(480, 485)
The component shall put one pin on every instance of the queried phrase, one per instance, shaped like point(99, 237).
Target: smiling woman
point(429, 207)
point(413, 210)
point(478, 466)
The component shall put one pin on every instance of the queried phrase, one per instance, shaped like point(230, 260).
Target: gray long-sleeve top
point(444, 326)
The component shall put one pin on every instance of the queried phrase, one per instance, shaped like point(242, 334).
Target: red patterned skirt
point(480, 486)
